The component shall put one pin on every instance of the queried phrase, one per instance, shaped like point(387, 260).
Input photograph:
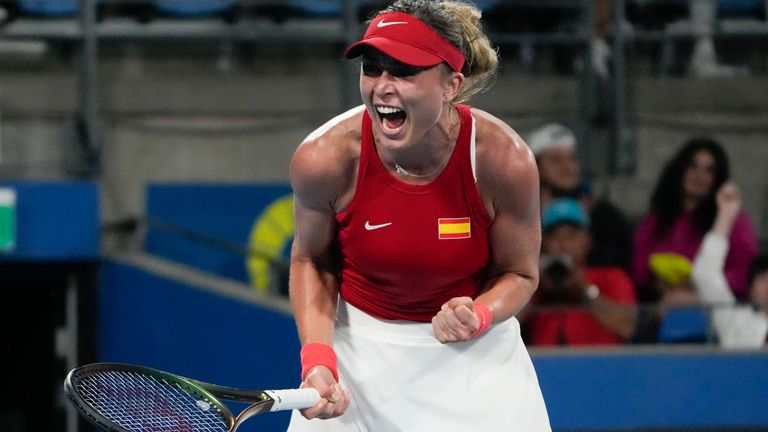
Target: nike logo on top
point(383, 23)
point(370, 227)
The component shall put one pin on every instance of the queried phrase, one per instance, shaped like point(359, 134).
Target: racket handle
point(293, 398)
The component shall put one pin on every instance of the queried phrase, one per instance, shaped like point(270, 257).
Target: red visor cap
point(408, 40)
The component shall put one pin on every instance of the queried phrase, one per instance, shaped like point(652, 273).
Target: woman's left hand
point(456, 321)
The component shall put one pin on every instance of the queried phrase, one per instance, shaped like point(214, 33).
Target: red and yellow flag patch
point(453, 228)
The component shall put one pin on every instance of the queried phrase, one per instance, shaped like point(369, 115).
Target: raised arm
point(709, 265)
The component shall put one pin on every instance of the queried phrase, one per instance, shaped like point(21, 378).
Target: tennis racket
point(130, 398)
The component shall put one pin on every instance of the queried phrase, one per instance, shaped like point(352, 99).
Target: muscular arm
point(511, 181)
point(320, 178)
point(322, 175)
point(313, 281)
point(508, 181)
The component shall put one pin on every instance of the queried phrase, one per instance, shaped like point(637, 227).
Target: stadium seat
point(190, 8)
point(49, 8)
point(329, 8)
point(684, 325)
point(740, 7)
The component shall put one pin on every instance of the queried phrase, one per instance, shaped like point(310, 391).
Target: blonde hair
point(459, 23)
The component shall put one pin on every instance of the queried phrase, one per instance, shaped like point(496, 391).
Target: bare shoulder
point(503, 158)
point(323, 168)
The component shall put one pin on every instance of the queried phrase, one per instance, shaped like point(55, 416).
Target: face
point(759, 289)
point(559, 168)
point(567, 239)
point(405, 102)
point(699, 176)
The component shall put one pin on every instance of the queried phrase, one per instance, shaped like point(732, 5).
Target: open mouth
point(392, 119)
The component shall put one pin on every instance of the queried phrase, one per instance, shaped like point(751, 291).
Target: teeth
point(387, 110)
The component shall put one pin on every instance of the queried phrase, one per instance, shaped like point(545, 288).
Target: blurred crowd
point(688, 271)
point(697, 21)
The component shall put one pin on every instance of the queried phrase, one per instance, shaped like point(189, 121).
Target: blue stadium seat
point(740, 7)
point(734, 7)
point(328, 8)
point(684, 325)
point(190, 8)
point(50, 8)
point(324, 8)
point(487, 5)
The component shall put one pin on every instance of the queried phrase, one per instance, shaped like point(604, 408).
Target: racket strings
point(143, 403)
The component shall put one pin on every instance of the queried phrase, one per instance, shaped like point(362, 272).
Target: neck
point(431, 166)
point(428, 157)
point(690, 203)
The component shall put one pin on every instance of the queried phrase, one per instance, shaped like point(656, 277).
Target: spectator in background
point(600, 50)
point(604, 24)
point(580, 304)
point(699, 19)
point(554, 147)
point(703, 15)
point(736, 326)
point(683, 209)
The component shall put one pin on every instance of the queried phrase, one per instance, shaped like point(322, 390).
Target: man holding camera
point(577, 304)
point(560, 173)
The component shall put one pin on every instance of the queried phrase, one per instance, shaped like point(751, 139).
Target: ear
point(452, 86)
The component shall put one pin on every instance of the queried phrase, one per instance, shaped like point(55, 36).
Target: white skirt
point(400, 378)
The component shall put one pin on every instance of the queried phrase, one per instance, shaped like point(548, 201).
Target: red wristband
point(485, 316)
point(318, 354)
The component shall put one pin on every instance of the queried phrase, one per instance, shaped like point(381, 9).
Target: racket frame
point(260, 401)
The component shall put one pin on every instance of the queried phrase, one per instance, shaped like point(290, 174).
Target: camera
point(556, 268)
point(557, 283)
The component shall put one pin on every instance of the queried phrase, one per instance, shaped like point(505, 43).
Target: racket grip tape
point(293, 398)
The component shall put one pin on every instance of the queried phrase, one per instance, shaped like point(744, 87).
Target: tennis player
point(417, 240)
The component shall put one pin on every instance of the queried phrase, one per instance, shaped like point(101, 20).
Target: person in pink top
point(683, 209)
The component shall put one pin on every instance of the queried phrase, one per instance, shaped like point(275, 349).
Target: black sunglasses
point(375, 66)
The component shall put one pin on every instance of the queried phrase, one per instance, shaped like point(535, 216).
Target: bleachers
point(239, 127)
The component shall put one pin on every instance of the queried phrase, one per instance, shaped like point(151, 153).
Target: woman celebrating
point(417, 240)
point(683, 209)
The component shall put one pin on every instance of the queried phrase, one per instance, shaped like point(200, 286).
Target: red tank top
point(407, 249)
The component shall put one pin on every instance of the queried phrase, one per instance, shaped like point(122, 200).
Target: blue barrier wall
point(149, 320)
point(55, 220)
point(154, 321)
point(632, 390)
point(203, 225)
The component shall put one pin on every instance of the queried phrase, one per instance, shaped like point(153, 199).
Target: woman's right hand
point(333, 399)
point(728, 206)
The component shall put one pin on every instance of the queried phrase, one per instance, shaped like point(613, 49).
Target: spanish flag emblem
point(453, 228)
